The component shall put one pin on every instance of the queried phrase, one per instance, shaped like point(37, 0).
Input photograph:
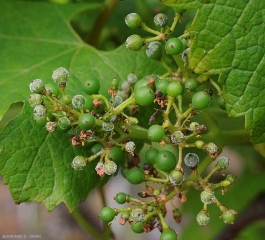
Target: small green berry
point(135, 175)
point(168, 234)
point(137, 227)
point(174, 89)
point(201, 100)
point(176, 177)
point(203, 218)
point(137, 215)
point(66, 99)
point(110, 167)
point(207, 196)
point(134, 42)
point(150, 155)
point(40, 111)
point(37, 86)
point(107, 214)
point(222, 163)
point(64, 123)
point(60, 76)
point(35, 99)
point(52, 89)
point(155, 133)
point(191, 84)
point(121, 198)
point(144, 96)
point(160, 20)
point(78, 163)
point(199, 144)
point(86, 121)
point(133, 20)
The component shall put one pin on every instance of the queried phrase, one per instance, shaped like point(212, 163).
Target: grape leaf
point(36, 38)
point(230, 42)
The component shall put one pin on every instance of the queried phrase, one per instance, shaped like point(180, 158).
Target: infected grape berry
point(37, 86)
point(60, 76)
point(78, 163)
point(191, 160)
point(110, 167)
point(203, 218)
point(137, 215)
point(154, 50)
point(160, 20)
point(134, 42)
point(78, 101)
point(207, 196)
point(133, 20)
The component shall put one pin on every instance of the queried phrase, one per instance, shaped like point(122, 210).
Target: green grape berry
point(40, 111)
point(121, 198)
point(78, 101)
point(137, 215)
point(165, 160)
point(228, 216)
point(52, 89)
point(66, 99)
point(160, 20)
point(199, 144)
point(133, 20)
point(161, 85)
point(116, 154)
point(86, 121)
point(91, 86)
point(78, 163)
point(174, 46)
point(201, 100)
point(150, 155)
point(110, 167)
point(137, 227)
point(97, 147)
point(64, 123)
point(222, 163)
point(207, 196)
point(221, 102)
point(134, 42)
point(156, 133)
point(203, 218)
point(88, 103)
point(176, 177)
point(37, 86)
point(60, 76)
point(191, 84)
point(135, 175)
point(174, 89)
point(107, 214)
point(35, 99)
point(192, 160)
point(107, 126)
point(154, 50)
point(144, 96)
point(168, 234)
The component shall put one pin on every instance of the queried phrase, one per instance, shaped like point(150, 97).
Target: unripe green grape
point(86, 121)
point(176, 177)
point(192, 160)
point(107, 214)
point(60, 76)
point(40, 121)
point(50, 126)
point(88, 103)
point(228, 216)
point(207, 196)
point(110, 167)
point(222, 163)
point(115, 83)
point(174, 89)
point(156, 133)
point(150, 155)
point(78, 101)
point(35, 99)
point(116, 154)
point(133, 121)
point(168, 234)
point(133, 20)
point(64, 123)
point(160, 20)
point(36, 86)
point(40, 111)
point(134, 42)
point(125, 215)
point(137, 215)
point(140, 83)
point(161, 85)
point(191, 84)
point(201, 100)
point(132, 78)
point(174, 46)
point(121, 198)
point(150, 208)
point(203, 218)
point(154, 50)
point(78, 163)
point(130, 146)
point(66, 99)
point(135, 175)
point(91, 86)
point(177, 137)
point(199, 144)
point(137, 227)
point(144, 96)
point(165, 160)
point(52, 89)
point(97, 147)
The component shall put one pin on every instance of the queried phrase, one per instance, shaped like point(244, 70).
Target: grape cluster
point(108, 127)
